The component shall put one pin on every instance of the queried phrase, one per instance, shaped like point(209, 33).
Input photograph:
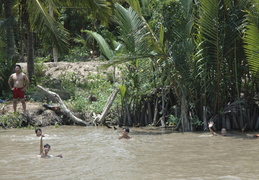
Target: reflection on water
point(152, 153)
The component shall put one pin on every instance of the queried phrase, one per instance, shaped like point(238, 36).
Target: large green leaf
point(105, 48)
point(252, 42)
point(132, 30)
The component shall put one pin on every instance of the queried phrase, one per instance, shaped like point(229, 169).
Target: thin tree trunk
point(184, 114)
point(55, 50)
point(162, 119)
point(9, 29)
point(235, 124)
point(257, 124)
point(30, 60)
point(223, 122)
point(228, 124)
point(128, 116)
point(29, 41)
point(205, 123)
point(249, 119)
point(155, 113)
point(149, 113)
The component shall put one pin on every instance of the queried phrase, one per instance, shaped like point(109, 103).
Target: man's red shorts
point(18, 93)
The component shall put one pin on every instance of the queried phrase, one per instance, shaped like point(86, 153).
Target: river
point(96, 153)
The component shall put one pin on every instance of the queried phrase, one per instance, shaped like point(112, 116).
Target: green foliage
point(77, 54)
point(70, 81)
point(39, 67)
point(105, 48)
point(11, 120)
point(168, 13)
point(196, 121)
point(172, 120)
point(252, 39)
point(94, 85)
point(56, 125)
point(220, 52)
point(52, 32)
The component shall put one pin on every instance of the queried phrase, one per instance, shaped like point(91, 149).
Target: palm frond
point(209, 21)
point(105, 48)
point(51, 31)
point(135, 5)
point(133, 31)
point(101, 9)
point(252, 43)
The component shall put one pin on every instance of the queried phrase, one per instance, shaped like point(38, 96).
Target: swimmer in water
point(44, 150)
point(38, 132)
point(125, 133)
point(223, 132)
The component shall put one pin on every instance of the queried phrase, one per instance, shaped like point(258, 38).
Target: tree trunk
point(108, 106)
point(257, 124)
point(186, 126)
point(205, 123)
point(30, 60)
point(28, 40)
point(9, 29)
point(149, 113)
point(63, 106)
point(155, 113)
point(55, 50)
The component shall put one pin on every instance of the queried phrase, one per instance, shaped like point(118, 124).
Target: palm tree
point(35, 20)
point(220, 58)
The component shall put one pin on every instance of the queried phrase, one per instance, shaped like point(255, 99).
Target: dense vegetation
point(184, 62)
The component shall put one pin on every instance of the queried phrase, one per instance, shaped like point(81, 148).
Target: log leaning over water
point(63, 106)
point(108, 106)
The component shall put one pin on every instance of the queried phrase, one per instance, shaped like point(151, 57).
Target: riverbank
point(37, 114)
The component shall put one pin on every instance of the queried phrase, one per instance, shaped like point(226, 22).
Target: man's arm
point(41, 144)
point(10, 82)
point(25, 77)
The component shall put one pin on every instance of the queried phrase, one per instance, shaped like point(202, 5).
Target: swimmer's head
point(46, 148)
point(38, 132)
point(223, 131)
point(126, 130)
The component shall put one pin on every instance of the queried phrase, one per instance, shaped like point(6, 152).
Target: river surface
point(152, 154)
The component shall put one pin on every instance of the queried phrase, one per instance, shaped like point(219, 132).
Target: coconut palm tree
point(34, 19)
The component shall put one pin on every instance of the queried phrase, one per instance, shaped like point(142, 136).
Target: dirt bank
point(37, 114)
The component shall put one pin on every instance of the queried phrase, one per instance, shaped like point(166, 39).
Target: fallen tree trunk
point(108, 106)
point(63, 106)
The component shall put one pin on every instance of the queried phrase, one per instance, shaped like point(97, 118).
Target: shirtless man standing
point(16, 84)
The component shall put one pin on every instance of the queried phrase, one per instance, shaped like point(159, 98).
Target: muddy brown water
point(153, 153)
